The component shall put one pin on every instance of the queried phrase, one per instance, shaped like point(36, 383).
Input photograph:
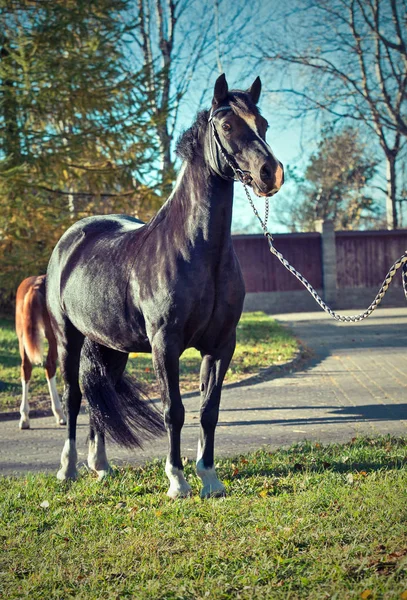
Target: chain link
point(401, 262)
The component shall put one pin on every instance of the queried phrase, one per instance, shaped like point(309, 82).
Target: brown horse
point(32, 325)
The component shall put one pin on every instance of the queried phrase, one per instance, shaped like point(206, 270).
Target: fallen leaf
point(44, 504)
point(366, 594)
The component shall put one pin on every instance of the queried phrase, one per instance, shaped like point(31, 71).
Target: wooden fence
point(362, 260)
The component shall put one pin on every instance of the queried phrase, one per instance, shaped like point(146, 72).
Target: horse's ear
point(255, 90)
point(221, 89)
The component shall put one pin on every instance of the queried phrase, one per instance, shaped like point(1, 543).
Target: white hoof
point(179, 491)
point(97, 459)
point(24, 423)
point(179, 487)
point(213, 491)
point(102, 470)
point(68, 462)
point(212, 487)
point(67, 474)
point(60, 420)
point(103, 473)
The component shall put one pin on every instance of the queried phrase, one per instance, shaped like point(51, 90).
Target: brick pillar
point(326, 229)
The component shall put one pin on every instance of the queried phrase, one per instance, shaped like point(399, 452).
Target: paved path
point(355, 383)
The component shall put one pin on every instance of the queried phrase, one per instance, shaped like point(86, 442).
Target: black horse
point(115, 285)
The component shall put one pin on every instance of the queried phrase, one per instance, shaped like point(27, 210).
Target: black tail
point(120, 409)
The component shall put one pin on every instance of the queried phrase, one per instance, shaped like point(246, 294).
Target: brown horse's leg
point(213, 371)
point(166, 365)
point(50, 370)
point(26, 370)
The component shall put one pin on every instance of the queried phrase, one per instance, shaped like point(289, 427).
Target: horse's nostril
point(265, 173)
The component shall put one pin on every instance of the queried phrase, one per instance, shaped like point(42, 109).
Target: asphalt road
point(354, 384)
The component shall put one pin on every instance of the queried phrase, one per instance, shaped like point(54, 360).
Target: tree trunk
point(12, 146)
point(391, 199)
point(166, 166)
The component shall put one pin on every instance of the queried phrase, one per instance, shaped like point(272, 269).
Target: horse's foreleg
point(26, 370)
point(166, 365)
point(50, 370)
point(213, 371)
point(70, 350)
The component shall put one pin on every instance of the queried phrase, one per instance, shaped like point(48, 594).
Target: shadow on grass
point(6, 386)
point(363, 467)
point(10, 360)
point(359, 457)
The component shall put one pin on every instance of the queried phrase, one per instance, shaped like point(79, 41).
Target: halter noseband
point(238, 173)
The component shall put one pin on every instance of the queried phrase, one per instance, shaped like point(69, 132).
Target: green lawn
point(262, 342)
point(309, 522)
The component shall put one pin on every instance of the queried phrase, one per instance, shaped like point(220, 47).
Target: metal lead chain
point(401, 262)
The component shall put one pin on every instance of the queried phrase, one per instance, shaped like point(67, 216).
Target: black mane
point(189, 140)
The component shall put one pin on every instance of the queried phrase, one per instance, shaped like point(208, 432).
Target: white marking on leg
point(212, 487)
point(97, 459)
point(69, 459)
point(24, 407)
point(179, 487)
point(55, 402)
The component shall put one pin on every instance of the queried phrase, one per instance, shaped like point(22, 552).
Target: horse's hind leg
point(213, 371)
point(50, 370)
point(70, 342)
point(26, 370)
point(97, 457)
point(93, 356)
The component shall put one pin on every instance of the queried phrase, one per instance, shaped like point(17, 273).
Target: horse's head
point(238, 139)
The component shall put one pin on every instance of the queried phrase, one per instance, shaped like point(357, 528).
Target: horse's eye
point(226, 127)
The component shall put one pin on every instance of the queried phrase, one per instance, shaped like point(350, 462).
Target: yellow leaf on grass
point(263, 493)
point(366, 594)
point(403, 595)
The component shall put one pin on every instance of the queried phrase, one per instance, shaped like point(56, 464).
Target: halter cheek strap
point(238, 173)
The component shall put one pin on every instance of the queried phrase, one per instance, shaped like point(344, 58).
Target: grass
point(311, 522)
point(261, 342)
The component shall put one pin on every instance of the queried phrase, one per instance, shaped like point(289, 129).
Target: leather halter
point(238, 173)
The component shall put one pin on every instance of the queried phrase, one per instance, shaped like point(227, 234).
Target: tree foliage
point(335, 184)
point(75, 134)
